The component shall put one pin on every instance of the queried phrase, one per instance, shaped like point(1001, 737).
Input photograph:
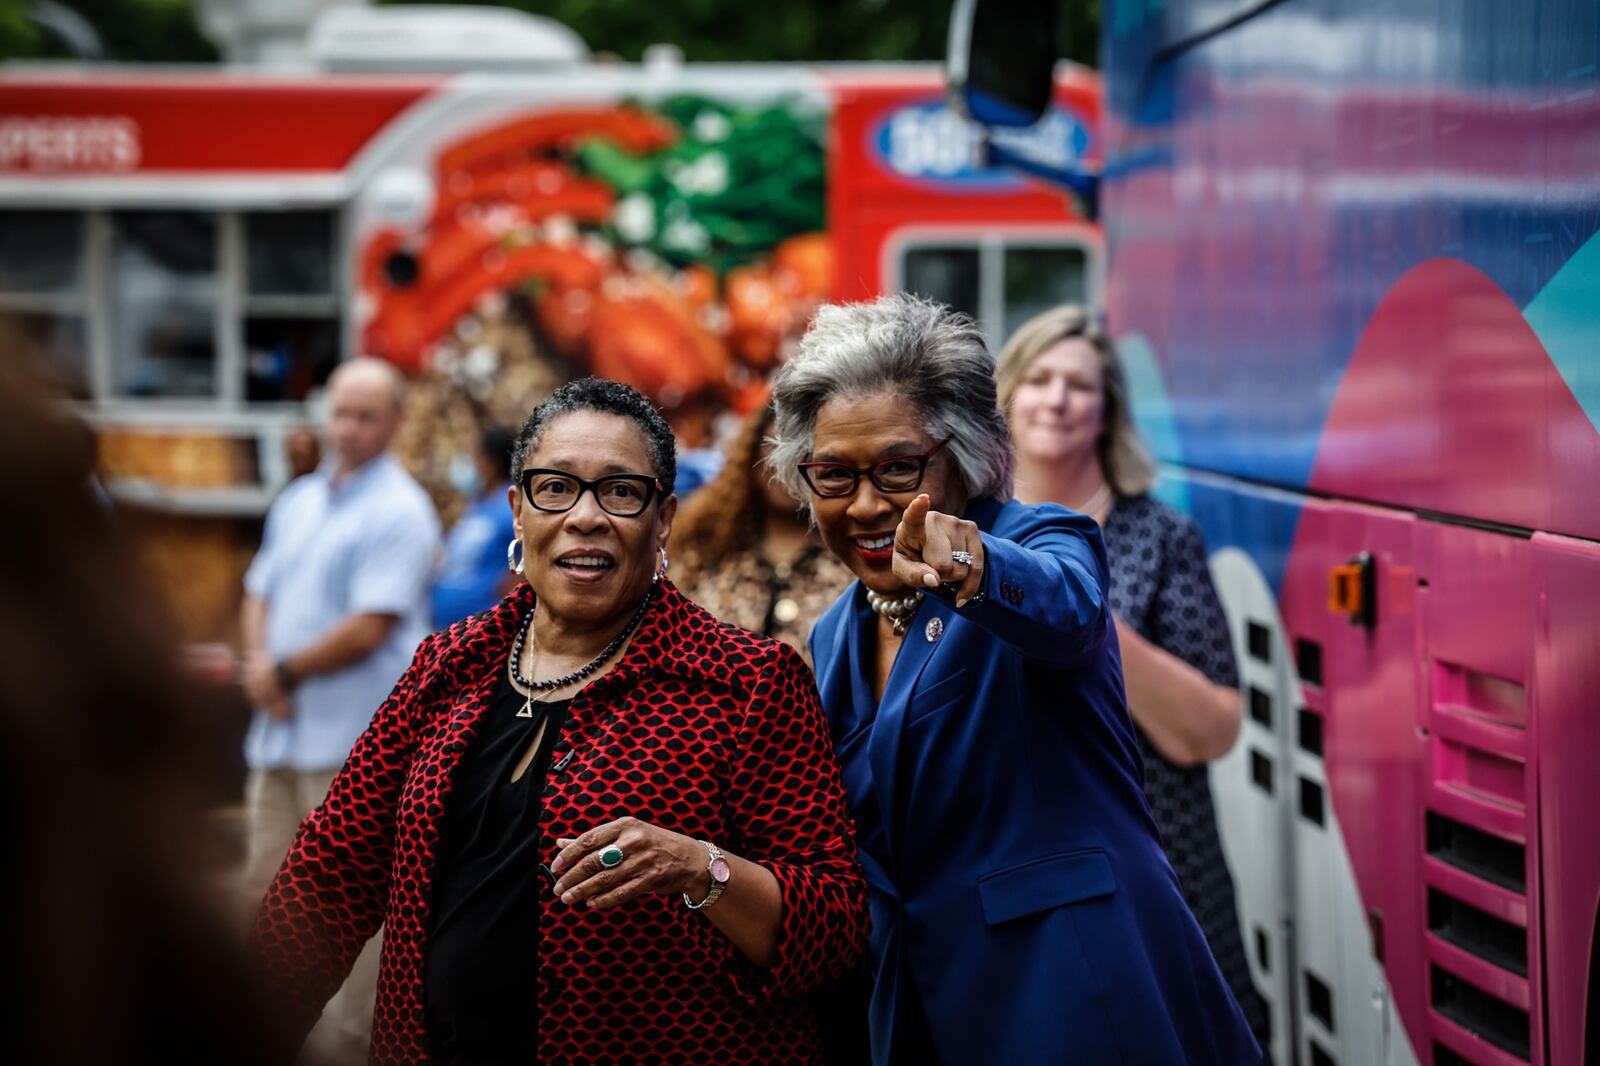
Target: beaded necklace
point(512, 664)
point(898, 610)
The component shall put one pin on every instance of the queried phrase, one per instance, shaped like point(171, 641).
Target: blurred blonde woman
point(1065, 398)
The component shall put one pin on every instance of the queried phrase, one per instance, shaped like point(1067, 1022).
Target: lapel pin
point(935, 630)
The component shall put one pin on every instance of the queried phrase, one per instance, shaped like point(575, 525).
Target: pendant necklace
point(530, 687)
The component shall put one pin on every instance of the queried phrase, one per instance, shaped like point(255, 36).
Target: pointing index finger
point(913, 525)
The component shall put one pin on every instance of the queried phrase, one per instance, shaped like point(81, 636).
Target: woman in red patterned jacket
point(597, 825)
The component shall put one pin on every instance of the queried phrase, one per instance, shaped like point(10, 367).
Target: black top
point(1161, 586)
point(488, 888)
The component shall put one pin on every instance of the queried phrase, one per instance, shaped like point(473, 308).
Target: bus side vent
point(1261, 706)
point(1310, 729)
point(1487, 1017)
point(1261, 771)
point(1311, 801)
point(1443, 1056)
point(1258, 638)
point(1479, 932)
point(1308, 660)
point(1480, 854)
point(1319, 1000)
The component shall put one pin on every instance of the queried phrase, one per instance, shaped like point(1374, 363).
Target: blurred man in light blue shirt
point(335, 605)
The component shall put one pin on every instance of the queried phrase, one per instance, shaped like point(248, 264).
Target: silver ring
point(610, 856)
point(961, 557)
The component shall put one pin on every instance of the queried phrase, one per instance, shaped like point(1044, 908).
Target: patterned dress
point(781, 600)
point(1161, 586)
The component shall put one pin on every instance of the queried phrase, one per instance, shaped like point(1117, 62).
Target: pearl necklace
point(513, 664)
point(897, 609)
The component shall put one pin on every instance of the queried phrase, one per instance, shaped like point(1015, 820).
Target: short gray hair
point(922, 350)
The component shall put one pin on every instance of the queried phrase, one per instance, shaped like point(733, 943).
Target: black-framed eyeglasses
point(898, 473)
point(557, 491)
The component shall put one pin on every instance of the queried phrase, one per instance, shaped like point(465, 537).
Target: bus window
point(948, 274)
point(41, 291)
point(41, 251)
point(163, 301)
point(1038, 278)
point(1001, 281)
point(289, 253)
point(291, 308)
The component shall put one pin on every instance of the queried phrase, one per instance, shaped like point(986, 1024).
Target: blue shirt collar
point(357, 478)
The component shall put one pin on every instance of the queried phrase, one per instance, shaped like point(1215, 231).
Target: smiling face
point(1057, 410)
point(586, 565)
point(860, 528)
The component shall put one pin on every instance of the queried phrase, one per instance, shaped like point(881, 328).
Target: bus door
point(1565, 746)
point(1317, 803)
point(1354, 799)
point(1511, 787)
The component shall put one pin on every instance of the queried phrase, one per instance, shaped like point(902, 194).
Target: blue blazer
point(1018, 887)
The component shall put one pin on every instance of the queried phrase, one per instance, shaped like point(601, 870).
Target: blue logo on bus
point(930, 142)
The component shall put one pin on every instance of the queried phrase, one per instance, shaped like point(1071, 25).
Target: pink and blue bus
point(1353, 267)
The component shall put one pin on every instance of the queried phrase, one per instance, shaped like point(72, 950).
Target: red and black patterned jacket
point(701, 728)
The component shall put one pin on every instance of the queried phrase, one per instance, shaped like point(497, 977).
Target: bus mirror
point(1002, 59)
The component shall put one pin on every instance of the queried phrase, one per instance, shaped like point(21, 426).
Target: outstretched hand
point(923, 545)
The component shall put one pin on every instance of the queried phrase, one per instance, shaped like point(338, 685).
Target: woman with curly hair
point(747, 552)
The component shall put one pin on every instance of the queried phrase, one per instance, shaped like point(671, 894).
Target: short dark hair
point(498, 444)
point(607, 397)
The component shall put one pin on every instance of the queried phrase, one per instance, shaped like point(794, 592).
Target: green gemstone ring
point(610, 856)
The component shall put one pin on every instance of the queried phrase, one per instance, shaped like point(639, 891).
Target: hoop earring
point(662, 571)
point(514, 556)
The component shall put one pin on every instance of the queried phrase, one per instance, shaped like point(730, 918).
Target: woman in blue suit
point(1022, 908)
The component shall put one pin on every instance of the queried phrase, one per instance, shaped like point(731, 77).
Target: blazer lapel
point(837, 664)
point(883, 749)
point(926, 628)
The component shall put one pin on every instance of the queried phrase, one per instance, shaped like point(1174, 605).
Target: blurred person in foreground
point(746, 551)
point(1063, 391)
point(472, 574)
point(115, 955)
point(1022, 908)
point(335, 603)
point(669, 774)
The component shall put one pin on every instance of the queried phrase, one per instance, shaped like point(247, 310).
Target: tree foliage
point(165, 31)
point(826, 30)
point(133, 31)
